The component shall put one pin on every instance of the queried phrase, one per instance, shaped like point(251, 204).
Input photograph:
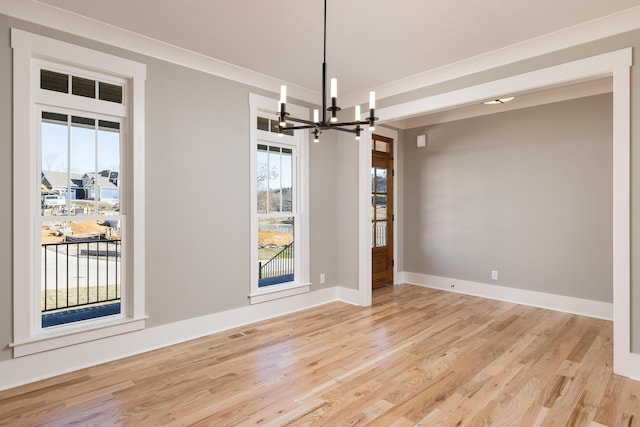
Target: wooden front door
point(382, 211)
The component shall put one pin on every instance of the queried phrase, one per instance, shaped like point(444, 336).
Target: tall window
point(78, 204)
point(280, 209)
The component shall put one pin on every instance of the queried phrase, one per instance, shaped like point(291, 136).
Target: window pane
point(109, 92)
point(263, 123)
point(262, 174)
point(373, 181)
point(109, 167)
point(286, 180)
point(51, 80)
point(381, 207)
point(381, 180)
point(381, 146)
point(54, 179)
point(380, 233)
point(276, 255)
point(80, 268)
point(83, 160)
point(83, 87)
point(275, 175)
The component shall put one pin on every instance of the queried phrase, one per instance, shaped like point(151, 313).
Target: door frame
point(364, 209)
point(391, 201)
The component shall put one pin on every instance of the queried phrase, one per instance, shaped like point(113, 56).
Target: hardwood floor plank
point(416, 357)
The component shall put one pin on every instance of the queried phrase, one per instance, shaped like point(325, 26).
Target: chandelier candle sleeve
point(372, 111)
point(334, 100)
point(316, 116)
point(357, 115)
point(283, 94)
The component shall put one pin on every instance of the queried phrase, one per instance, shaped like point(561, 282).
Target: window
point(78, 226)
point(279, 209)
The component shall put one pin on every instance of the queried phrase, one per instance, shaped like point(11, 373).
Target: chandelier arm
point(297, 120)
point(313, 126)
point(359, 122)
point(334, 127)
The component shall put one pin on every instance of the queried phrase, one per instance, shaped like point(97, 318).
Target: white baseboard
point(348, 295)
point(27, 369)
point(584, 307)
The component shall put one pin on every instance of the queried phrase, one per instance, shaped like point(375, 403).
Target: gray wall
point(198, 191)
point(526, 192)
point(347, 201)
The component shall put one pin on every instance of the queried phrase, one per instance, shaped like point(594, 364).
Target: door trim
point(364, 211)
point(390, 218)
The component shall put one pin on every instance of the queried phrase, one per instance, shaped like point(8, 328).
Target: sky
point(55, 142)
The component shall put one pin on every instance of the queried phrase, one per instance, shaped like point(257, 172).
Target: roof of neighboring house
point(103, 179)
point(53, 179)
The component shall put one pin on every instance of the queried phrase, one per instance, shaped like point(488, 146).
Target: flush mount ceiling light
point(317, 124)
point(499, 100)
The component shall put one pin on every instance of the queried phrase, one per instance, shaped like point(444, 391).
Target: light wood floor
point(416, 357)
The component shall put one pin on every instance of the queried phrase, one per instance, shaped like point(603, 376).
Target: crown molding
point(62, 20)
point(58, 19)
point(606, 26)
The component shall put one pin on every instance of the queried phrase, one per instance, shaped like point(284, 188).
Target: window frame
point(261, 106)
point(30, 53)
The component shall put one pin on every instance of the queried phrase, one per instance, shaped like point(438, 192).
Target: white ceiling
point(370, 42)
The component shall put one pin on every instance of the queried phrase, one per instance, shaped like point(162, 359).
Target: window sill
point(276, 292)
point(77, 334)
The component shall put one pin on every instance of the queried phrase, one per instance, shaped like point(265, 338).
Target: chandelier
point(318, 125)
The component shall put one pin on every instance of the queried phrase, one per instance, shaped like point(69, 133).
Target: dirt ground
point(273, 238)
point(55, 232)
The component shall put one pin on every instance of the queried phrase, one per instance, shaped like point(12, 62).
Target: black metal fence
point(80, 273)
point(278, 269)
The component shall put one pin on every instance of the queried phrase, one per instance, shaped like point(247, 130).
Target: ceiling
point(369, 42)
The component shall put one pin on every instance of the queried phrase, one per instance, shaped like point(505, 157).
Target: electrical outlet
point(494, 274)
point(452, 286)
point(322, 278)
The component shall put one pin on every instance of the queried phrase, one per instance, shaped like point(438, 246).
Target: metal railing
point(281, 265)
point(80, 273)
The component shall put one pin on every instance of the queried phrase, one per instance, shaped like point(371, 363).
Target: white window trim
point(266, 107)
point(27, 338)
